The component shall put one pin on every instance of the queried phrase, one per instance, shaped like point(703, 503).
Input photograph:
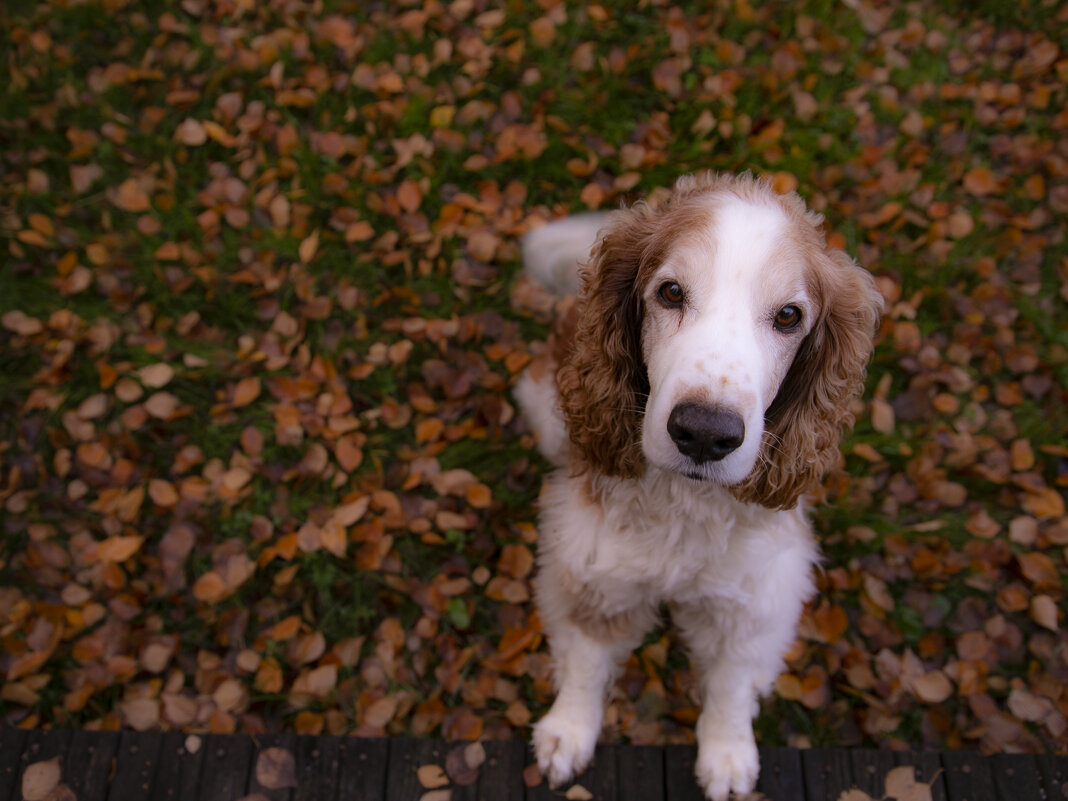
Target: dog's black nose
point(705, 434)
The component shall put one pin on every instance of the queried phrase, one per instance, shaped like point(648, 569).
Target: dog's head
point(719, 338)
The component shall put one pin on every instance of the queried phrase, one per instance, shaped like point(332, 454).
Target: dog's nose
point(703, 433)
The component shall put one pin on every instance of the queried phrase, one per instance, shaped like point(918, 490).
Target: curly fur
point(635, 518)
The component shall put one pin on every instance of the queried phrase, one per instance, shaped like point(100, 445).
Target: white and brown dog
point(696, 393)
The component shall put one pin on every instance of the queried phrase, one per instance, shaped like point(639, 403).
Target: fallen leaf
point(40, 778)
point(431, 776)
point(276, 769)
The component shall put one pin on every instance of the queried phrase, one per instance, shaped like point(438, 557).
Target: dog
point(692, 396)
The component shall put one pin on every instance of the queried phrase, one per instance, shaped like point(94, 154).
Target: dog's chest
point(666, 544)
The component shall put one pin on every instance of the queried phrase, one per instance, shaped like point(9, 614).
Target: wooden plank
point(680, 784)
point(136, 760)
point(224, 767)
point(869, 768)
point(11, 743)
point(968, 776)
point(317, 769)
point(599, 779)
point(640, 773)
point(41, 745)
point(88, 766)
point(260, 744)
point(1016, 776)
point(929, 770)
point(501, 775)
point(178, 771)
point(406, 756)
point(827, 772)
point(781, 777)
point(363, 764)
point(1054, 770)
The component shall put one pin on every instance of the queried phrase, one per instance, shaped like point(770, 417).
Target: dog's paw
point(727, 765)
point(563, 745)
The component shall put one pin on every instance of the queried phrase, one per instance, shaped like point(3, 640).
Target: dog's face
point(725, 314)
point(719, 338)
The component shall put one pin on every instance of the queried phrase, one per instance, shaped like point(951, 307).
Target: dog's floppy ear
point(812, 407)
point(602, 381)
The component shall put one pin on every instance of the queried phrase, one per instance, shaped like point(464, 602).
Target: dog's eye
point(787, 318)
point(670, 292)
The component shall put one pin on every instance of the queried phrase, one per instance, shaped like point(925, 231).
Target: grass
point(122, 79)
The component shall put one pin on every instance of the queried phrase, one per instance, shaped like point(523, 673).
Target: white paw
point(727, 765)
point(564, 743)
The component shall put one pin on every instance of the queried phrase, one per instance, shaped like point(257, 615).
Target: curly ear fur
point(602, 379)
point(812, 408)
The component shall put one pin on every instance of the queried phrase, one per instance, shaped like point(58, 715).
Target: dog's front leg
point(737, 654)
point(586, 660)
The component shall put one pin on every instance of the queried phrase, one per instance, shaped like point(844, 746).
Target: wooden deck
point(129, 766)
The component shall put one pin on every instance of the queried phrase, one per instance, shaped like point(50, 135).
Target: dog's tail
point(553, 252)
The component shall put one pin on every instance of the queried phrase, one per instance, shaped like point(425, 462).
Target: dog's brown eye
point(787, 318)
point(670, 292)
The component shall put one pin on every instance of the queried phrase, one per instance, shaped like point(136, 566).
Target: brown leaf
point(118, 549)
point(129, 196)
point(1044, 612)
point(21, 323)
point(409, 197)
point(162, 493)
point(1039, 569)
point(276, 769)
point(40, 778)
point(161, 405)
point(155, 376)
point(190, 132)
point(307, 249)
point(931, 688)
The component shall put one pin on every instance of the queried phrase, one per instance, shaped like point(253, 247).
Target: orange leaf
point(246, 391)
point(980, 181)
point(210, 588)
point(478, 496)
point(333, 537)
point(308, 247)
point(118, 549)
point(284, 629)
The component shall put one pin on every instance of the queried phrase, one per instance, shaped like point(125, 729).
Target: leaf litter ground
point(260, 311)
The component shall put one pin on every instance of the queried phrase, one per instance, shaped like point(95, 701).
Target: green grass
point(849, 157)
